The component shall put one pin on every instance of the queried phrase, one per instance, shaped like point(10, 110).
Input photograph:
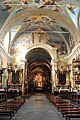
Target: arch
point(46, 47)
point(40, 63)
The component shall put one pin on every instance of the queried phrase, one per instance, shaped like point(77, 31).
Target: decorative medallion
point(62, 66)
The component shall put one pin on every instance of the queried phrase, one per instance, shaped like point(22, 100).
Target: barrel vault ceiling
point(60, 19)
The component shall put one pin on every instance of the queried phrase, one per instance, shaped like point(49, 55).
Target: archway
point(38, 66)
point(38, 70)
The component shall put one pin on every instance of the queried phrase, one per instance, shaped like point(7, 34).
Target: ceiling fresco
point(58, 43)
point(7, 6)
point(22, 17)
point(19, 47)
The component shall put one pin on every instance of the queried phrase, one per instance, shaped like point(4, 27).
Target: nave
point(37, 107)
point(39, 52)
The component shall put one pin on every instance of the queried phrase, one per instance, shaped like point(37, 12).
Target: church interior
point(40, 47)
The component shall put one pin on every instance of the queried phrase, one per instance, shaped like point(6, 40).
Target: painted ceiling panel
point(7, 6)
point(56, 29)
point(22, 17)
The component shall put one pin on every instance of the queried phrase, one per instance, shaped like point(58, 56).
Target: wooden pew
point(72, 115)
point(72, 112)
point(9, 108)
point(6, 113)
point(3, 97)
point(69, 109)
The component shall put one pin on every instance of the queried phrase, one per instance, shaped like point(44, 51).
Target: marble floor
point(38, 107)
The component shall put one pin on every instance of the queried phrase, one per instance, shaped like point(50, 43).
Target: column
point(23, 82)
point(9, 76)
point(53, 75)
point(68, 78)
point(4, 78)
point(20, 76)
point(71, 77)
point(26, 64)
point(23, 74)
point(26, 77)
point(56, 76)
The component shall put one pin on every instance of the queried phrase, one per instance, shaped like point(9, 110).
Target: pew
point(6, 113)
point(68, 109)
point(72, 115)
point(8, 109)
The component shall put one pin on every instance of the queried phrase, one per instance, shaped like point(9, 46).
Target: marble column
point(26, 76)
point(53, 74)
point(4, 78)
point(22, 76)
point(71, 77)
point(23, 82)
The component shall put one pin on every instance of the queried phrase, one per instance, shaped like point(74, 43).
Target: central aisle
point(37, 107)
